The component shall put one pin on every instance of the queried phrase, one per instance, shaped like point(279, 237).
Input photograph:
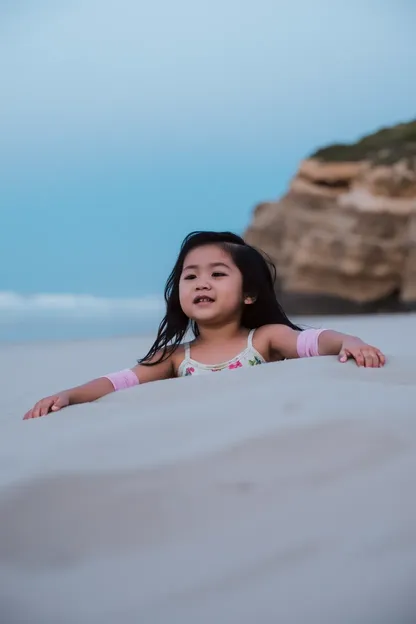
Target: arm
point(97, 388)
point(330, 342)
point(90, 391)
point(121, 380)
point(350, 347)
point(291, 343)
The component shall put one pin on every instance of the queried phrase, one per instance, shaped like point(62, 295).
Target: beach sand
point(284, 494)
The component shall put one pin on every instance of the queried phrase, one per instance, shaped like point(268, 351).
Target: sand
point(282, 494)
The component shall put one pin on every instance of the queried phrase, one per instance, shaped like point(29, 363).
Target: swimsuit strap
point(187, 351)
point(250, 339)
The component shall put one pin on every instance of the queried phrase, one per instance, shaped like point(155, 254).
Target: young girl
point(222, 289)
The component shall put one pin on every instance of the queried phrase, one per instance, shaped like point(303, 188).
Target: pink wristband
point(307, 344)
point(123, 379)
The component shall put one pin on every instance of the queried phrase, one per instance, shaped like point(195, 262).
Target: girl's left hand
point(362, 353)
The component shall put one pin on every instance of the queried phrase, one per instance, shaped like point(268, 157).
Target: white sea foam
point(76, 305)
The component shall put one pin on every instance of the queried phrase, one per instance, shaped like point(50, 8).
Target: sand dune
point(283, 494)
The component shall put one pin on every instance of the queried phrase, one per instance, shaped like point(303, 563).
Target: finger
point(59, 403)
point(344, 355)
point(28, 415)
point(36, 410)
point(359, 358)
point(39, 409)
point(376, 358)
point(45, 407)
point(381, 357)
point(369, 361)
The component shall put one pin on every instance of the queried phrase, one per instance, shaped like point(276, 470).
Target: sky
point(124, 125)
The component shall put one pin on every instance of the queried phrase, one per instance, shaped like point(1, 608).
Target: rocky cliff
point(343, 238)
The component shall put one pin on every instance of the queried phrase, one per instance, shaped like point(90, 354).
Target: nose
point(203, 284)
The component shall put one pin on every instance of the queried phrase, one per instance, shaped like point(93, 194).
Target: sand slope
point(283, 494)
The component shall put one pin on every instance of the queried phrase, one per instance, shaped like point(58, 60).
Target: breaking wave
point(77, 305)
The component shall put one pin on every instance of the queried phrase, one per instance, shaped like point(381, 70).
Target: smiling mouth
point(203, 299)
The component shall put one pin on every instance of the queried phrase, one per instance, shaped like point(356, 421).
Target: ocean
point(75, 317)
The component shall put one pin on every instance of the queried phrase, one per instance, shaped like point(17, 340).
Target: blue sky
point(124, 125)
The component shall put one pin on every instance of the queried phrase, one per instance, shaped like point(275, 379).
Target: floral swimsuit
point(249, 357)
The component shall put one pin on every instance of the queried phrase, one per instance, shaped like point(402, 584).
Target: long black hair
point(259, 276)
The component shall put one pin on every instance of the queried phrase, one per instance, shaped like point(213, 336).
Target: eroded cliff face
point(343, 238)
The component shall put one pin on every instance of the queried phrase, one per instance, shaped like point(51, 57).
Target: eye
point(219, 274)
point(190, 276)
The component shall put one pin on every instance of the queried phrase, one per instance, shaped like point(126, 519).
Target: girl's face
point(210, 286)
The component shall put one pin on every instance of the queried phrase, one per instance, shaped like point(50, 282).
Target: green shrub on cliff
point(386, 146)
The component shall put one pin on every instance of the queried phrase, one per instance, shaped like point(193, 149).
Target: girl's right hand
point(49, 404)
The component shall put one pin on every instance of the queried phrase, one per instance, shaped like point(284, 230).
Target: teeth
point(203, 299)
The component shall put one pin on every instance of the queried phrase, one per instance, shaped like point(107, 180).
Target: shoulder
point(178, 355)
point(277, 340)
point(275, 330)
point(159, 366)
point(156, 369)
